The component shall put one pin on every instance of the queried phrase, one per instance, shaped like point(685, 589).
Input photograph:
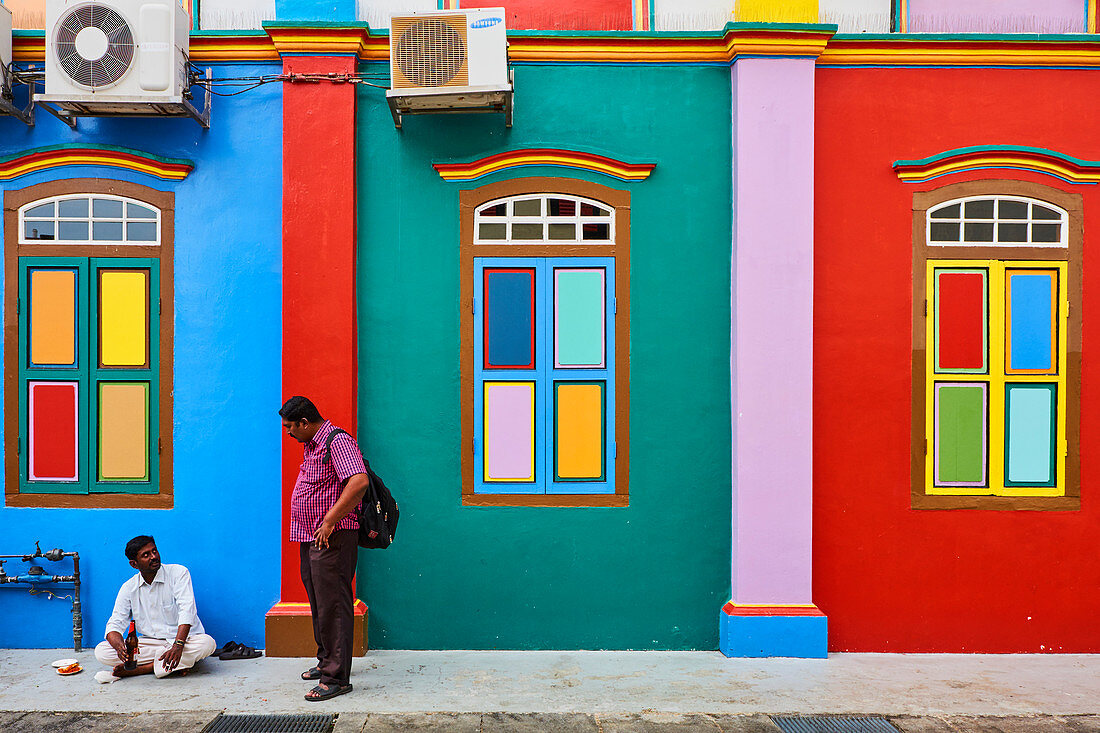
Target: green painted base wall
point(649, 576)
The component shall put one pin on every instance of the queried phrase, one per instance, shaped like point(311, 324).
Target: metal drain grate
point(270, 724)
point(834, 724)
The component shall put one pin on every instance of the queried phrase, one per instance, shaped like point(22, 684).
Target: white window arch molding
point(89, 219)
point(991, 221)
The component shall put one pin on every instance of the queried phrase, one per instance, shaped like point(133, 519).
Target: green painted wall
point(649, 576)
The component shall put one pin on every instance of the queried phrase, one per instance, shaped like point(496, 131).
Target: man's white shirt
point(158, 608)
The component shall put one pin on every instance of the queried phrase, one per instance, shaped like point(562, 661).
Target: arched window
point(996, 347)
point(89, 272)
point(556, 218)
point(545, 332)
point(85, 219)
point(985, 221)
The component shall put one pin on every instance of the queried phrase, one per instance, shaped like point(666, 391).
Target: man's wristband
point(178, 642)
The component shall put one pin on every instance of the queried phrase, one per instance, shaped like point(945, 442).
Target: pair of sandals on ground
point(233, 650)
point(322, 691)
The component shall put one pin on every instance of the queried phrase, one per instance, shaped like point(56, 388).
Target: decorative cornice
point(736, 40)
point(544, 157)
point(754, 609)
point(59, 156)
point(962, 50)
point(1014, 157)
point(319, 39)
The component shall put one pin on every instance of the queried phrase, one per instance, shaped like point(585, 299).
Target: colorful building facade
point(765, 337)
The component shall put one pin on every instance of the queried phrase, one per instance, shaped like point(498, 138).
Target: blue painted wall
point(225, 522)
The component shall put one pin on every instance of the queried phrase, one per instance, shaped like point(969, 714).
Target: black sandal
point(323, 692)
point(240, 652)
point(311, 674)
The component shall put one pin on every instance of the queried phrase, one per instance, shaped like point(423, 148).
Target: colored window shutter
point(509, 319)
point(579, 318)
point(579, 430)
point(1030, 435)
point(1031, 334)
point(960, 438)
point(123, 318)
point(53, 317)
point(123, 431)
point(54, 435)
point(961, 320)
point(509, 431)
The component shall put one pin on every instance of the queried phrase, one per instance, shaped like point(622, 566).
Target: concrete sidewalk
point(612, 691)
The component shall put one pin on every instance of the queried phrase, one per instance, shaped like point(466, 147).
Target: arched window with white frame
point(89, 272)
point(545, 343)
point(997, 345)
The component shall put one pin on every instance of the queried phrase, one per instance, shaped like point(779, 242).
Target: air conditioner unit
point(449, 62)
point(5, 49)
point(123, 57)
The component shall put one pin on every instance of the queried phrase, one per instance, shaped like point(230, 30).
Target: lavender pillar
point(771, 612)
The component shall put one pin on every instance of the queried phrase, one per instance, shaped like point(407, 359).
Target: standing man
point(327, 530)
point(162, 603)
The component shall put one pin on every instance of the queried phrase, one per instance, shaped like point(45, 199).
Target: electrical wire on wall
point(231, 86)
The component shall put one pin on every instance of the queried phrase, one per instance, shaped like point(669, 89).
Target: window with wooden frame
point(545, 341)
point(88, 350)
point(996, 347)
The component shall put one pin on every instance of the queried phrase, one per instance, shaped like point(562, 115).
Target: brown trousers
point(327, 576)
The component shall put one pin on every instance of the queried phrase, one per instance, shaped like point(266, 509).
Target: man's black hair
point(133, 547)
point(299, 408)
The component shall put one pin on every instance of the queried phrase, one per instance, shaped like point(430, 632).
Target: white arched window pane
point(1009, 221)
point(89, 219)
point(551, 218)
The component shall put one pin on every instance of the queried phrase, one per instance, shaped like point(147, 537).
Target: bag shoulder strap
point(328, 444)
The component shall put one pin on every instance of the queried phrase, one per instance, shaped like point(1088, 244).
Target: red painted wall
point(598, 15)
point(319, 334)
point(891, 578)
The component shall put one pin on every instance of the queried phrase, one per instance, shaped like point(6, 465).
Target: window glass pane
point(136, 211)
point(489, 231)
point(979, 209)
point(1046, 233)
point(596, 231)
point(590, 210)
point(947, 212)
point(107, 208)
point(1012, 210)
point(107, 231)
point(562, 207)
point(981, 232)
point(528, 207)
point(1012, 232)
point(944, 232)
point(563, 231)
point(527, 231)
point(141, 231)
point(41, 210)
point(74, 207)
point(1042, 212)
point(77, 230)
point(38, 230)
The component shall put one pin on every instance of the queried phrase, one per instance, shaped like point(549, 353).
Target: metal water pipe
point(36, 575)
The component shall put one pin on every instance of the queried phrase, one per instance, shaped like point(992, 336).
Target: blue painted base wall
point(773, 636)
point(225, 523)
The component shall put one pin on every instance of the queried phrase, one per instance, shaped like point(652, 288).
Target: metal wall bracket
point(69, 110)
point(455, 100)
point(7, 107)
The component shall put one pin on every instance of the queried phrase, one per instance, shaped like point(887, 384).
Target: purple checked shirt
point(319, 485)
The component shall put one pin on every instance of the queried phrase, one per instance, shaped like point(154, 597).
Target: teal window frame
point(89, 375)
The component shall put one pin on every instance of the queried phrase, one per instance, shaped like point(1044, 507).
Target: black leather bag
point(377, 513)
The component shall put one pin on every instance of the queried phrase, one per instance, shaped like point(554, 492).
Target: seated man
point(162, 604)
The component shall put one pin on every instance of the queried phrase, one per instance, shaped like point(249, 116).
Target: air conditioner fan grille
point(108, 68)
point(430, 53)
